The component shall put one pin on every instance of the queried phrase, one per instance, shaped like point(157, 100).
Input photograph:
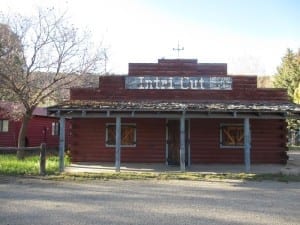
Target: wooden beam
point(182, 143)
point(43, 159)
point(234, 114)
point(167, 144)
point(188, 122)
point(247, 145)
point(118, 144)
point(7, 149)
point(62, 143)
point(169, 115)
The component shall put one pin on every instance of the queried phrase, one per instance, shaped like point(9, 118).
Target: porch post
point(182, 142)
point(247, 145)
point(118, 144)
point(61, 143)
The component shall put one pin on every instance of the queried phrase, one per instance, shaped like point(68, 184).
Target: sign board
point(178, 83)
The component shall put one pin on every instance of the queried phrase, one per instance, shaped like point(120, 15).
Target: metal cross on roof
point(178, 49)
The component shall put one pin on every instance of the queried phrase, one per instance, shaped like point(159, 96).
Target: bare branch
point(39, 53)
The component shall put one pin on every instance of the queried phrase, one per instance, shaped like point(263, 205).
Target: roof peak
point(177, 61)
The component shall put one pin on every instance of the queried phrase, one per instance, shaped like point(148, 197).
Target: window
point(232, 135)
point(128, 135)
point(55, 129)
point(3, 125)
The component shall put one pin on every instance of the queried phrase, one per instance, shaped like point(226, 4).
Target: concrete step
point(290, 170)
point(293, 164)
point(294, 158)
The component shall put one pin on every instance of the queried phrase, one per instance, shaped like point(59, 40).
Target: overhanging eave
point(86, 113)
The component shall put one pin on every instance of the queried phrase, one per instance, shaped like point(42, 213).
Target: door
point(173, 142)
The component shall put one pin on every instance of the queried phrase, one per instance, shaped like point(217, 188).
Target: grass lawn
point(192, 176)
point(9, 165)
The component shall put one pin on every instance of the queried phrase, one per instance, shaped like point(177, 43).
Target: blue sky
point(251, 17)
point(250, 35)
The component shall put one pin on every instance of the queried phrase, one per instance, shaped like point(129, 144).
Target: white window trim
point(55, 129)
point(2, 125)
point(221, 136)
point(123, 124)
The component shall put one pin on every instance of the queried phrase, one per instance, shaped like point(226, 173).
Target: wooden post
point(61, 144)
point(118, 144)
point(247, 145)
point(43, 159)
point(182, 143)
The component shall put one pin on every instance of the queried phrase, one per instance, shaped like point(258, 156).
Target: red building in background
point(41, 128)
point(178, 112)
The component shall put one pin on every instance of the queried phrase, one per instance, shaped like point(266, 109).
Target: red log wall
point(268, 136)
point(88, 141)
point(244, 88)
point(268, 142)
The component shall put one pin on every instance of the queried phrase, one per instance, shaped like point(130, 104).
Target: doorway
point(173, 142)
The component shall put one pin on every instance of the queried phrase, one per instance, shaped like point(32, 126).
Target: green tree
point(296, 96)
point(288, 76)
point(288, 73)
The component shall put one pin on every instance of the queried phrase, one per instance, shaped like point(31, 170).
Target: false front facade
point(177, 112)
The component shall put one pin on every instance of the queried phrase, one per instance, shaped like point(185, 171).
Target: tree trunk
point(22, 135)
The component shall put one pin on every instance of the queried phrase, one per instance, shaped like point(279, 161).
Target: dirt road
point(39, 202)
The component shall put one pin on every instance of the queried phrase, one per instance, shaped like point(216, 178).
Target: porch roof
point(84, 108)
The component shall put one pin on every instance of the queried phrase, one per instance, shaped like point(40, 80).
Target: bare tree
point(46, 44)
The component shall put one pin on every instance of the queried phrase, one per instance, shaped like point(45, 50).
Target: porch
point(247, 115)
point(161, 168)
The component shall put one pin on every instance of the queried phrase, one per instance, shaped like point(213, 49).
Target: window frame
point(2, 130)
point(123, 124)
point(222, 125)
point(55, 129)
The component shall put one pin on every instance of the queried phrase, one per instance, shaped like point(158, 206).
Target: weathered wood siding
point(243, 87)
point(10, 138)
point(268, 136)
point(88, 141)
point(269, 139)
point(268, 142)
point(39, 131)
point(174, 67)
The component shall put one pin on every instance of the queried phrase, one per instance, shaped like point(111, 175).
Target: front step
point(293, 164)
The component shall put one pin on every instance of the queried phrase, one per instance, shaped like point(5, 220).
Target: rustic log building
point(177, 112)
